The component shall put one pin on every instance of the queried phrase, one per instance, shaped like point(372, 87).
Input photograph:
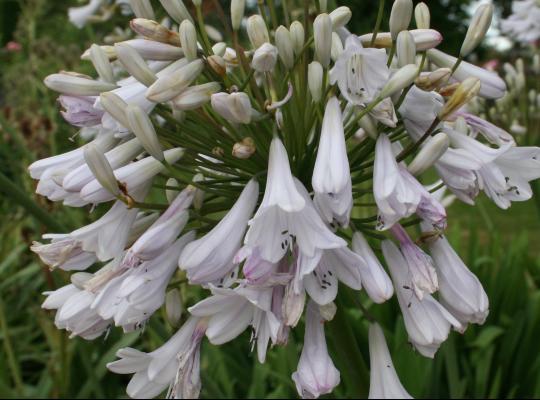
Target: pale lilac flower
point(427, 322)
point(461, 291)
point(384, 381)
point(231, 311)
point(80, 111)
point(419, 110)
point(492, 133)
point(131, 296)
point(175, 365)
point(375, 280)
point(331, 176)
point(316, 374)
point(523, 24)
point(284, 217)
point(421, 271)
point(63, 252)
point(360, 72)
point(394, 196)
point(210, 258)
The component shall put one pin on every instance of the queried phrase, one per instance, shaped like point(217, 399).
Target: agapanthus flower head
point(268, 168)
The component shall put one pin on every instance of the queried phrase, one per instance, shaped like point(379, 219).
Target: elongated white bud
point(170, 86)
point(195, 96)
point(285, 46)
point(478, 28)
point(219, 49)
point(76, 85)
point(422, 16)
point(340, 17)
point(115, 106)
point(135, 64)
point(100, 167)
point(433, 80)
point(257, 31)
point(322, 32)
point(101, 63)
point(400, 17)
point(404, 77)
point(218, 64)
point(369, 125)
point(237, 13)
point(265, 58)
point(170, 193)
point(198, 197)
point(434, 148)
point(337, 47)
point(144, 130)
point(464, 93)
point(315, 80)
point(424, 39)
point(173, 307)
point(188, 38)
point(142, 9)
point(298, 36)
point(154, 31)
point(244, 149)
point(406, 49)
point(176, 9)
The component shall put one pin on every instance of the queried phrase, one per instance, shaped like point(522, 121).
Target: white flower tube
point(169, 86)
point(427, 322)
point(73, 85)
point(316, 374)
point(400, 17)
point(384, 381)
point(322, 33)
point(210, 258)
point(144, 130)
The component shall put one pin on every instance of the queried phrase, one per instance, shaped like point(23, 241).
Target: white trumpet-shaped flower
point(427, 322)
point(316, 374)
point(210, 258)
point(384, 381)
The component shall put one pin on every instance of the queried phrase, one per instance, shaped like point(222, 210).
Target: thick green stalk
point(19, 197)
point(349, 359)
point(378, 23)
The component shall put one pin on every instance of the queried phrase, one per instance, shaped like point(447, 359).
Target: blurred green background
point(498, 360)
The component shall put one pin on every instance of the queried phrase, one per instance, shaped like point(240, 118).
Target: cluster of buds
point(256, 168)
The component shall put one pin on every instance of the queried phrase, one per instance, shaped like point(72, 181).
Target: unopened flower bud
point(115, 106)
point(536, 63)
point(340, 17)
point(298, 36)
point(177, 10)
point(197, 3)
point(101, 63)
point(217, 64)
point(424, 39)
point(400, 17)
point(237, 13)
point(433, 80)
point(169, 86)
point(219, 49)
point(234, 107)
point(322, 32)
point(171, 194)
point(135, 64)
point(198, 197)
point(196, 96)
point(328, 311)
point(404, 77)
point(433, 149)
point(244, 149)
point(360, 135)
point(154, 31)
point(188, 38)
point(422, 16)
point(368, 124)
point(449, 90)
point(173, 307)
point(315, 80)
point(100, 167)
point(142, 9)
point(285, 46)
point(478, 28)
point(76, 86)
point(265, 58)
point(337, 46)
point(257, 31)
point(406, 49)
point(142, 127)
point(461, 126)
point(466, 91)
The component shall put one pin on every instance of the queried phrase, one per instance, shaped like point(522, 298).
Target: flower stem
point(349, 358)
point(378, 23)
